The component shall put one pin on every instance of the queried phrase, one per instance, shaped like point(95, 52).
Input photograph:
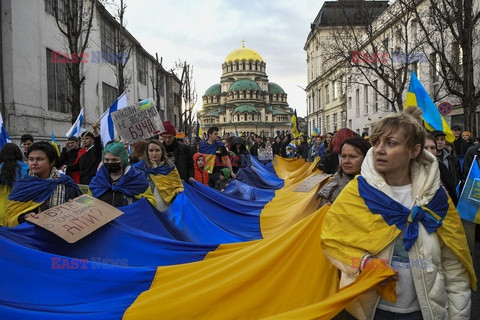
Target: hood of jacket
point(226, 173)
point(423, 172)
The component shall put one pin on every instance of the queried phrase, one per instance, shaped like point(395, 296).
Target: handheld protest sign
point(265, 153)
point(76, 219)
point(139, 122)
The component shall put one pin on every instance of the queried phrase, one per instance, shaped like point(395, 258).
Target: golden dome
point(243, 54)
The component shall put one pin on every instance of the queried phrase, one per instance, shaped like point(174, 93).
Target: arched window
point(238, 117)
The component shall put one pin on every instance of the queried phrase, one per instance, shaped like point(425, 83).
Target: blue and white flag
point(4, 138)
point(76, 128)
point(469, 204)
point(107, 130)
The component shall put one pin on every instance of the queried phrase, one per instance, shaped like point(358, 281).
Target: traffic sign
point(445, 108)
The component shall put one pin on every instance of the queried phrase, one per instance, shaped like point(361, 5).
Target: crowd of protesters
point(397, 169)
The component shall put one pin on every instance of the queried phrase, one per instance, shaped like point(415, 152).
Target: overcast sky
point(204, 32)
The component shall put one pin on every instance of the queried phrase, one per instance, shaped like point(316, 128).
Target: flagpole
point(106, 111)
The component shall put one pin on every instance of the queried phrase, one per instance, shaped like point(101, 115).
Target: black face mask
point(113, 167)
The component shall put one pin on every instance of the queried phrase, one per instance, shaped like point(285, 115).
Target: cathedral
point(244, 101)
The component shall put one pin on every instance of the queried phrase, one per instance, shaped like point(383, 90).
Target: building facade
point(245, 101)
point(393, 45)
point(34, 85)
point(327, 72)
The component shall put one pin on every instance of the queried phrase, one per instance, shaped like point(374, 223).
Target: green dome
point(245, 84)
point(248, 108)
point(214, 90)
point(274, 88)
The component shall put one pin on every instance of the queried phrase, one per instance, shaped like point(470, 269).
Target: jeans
point(387, 315)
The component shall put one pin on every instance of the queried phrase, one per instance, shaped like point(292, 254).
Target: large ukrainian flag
point(142, 265)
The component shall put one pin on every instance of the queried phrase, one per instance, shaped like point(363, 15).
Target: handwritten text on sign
point(76, 219)
point(134, 124)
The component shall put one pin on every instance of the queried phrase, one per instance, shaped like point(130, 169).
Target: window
point(349, 103)
point(365, 98)
point(57, 85)
point(60, 7)
point(328, 123)
point(110, 94)
point(334, 85)
point(319, 99)
point(350, 124)
point(335, 123)
point(375, 95)
point(344, 119)
point(107, 33)
point(414, 31)
point(142, 68)
point(357, 97)
point(458, 55)
point(266, 119)
point(327, 94)
point(313, 100)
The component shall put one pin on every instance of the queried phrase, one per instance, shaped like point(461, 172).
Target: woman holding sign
point(43, 188)
point(161, 173)
point(116, 182)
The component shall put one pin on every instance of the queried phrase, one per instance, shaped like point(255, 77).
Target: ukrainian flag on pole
point(54, 144)
point(417, 96)
point(295, 131)
point(469, 203)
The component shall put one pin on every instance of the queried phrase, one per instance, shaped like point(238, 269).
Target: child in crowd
point(223, 180)
point(199, 172)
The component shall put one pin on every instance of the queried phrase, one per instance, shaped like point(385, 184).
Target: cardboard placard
point(265, 153)
point(139, 122)
point(311, 182)
point(76, 219)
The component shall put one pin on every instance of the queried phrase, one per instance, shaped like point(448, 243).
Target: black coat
point(68, 158)
point(329, 163)
point(89, 161)
point(183, 159)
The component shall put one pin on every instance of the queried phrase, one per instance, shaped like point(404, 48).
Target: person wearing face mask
point(161, 173)
point(43, 188)
point(116, 182)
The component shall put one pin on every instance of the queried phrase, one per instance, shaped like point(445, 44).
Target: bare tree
point(381, 49)
point(123, 47)
point(451, 32)
point(74, 20)
point(157, 81)
point(189, 95)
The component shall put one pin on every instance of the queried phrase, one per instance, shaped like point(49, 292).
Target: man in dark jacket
point(449, 159)
point(179, 153)
point(461, 146)
point(68, 159)
point(90, 155)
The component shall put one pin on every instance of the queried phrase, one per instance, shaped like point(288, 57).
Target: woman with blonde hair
point(161, 173)
point(397, 215)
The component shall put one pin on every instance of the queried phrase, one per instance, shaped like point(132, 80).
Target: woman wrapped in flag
point(161, 173)
point(116, 182)
point(43, 188)
point(396, 215)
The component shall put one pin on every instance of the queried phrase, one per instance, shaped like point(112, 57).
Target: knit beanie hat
point(118, 150)
point(226, 173)
point(169, 128)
